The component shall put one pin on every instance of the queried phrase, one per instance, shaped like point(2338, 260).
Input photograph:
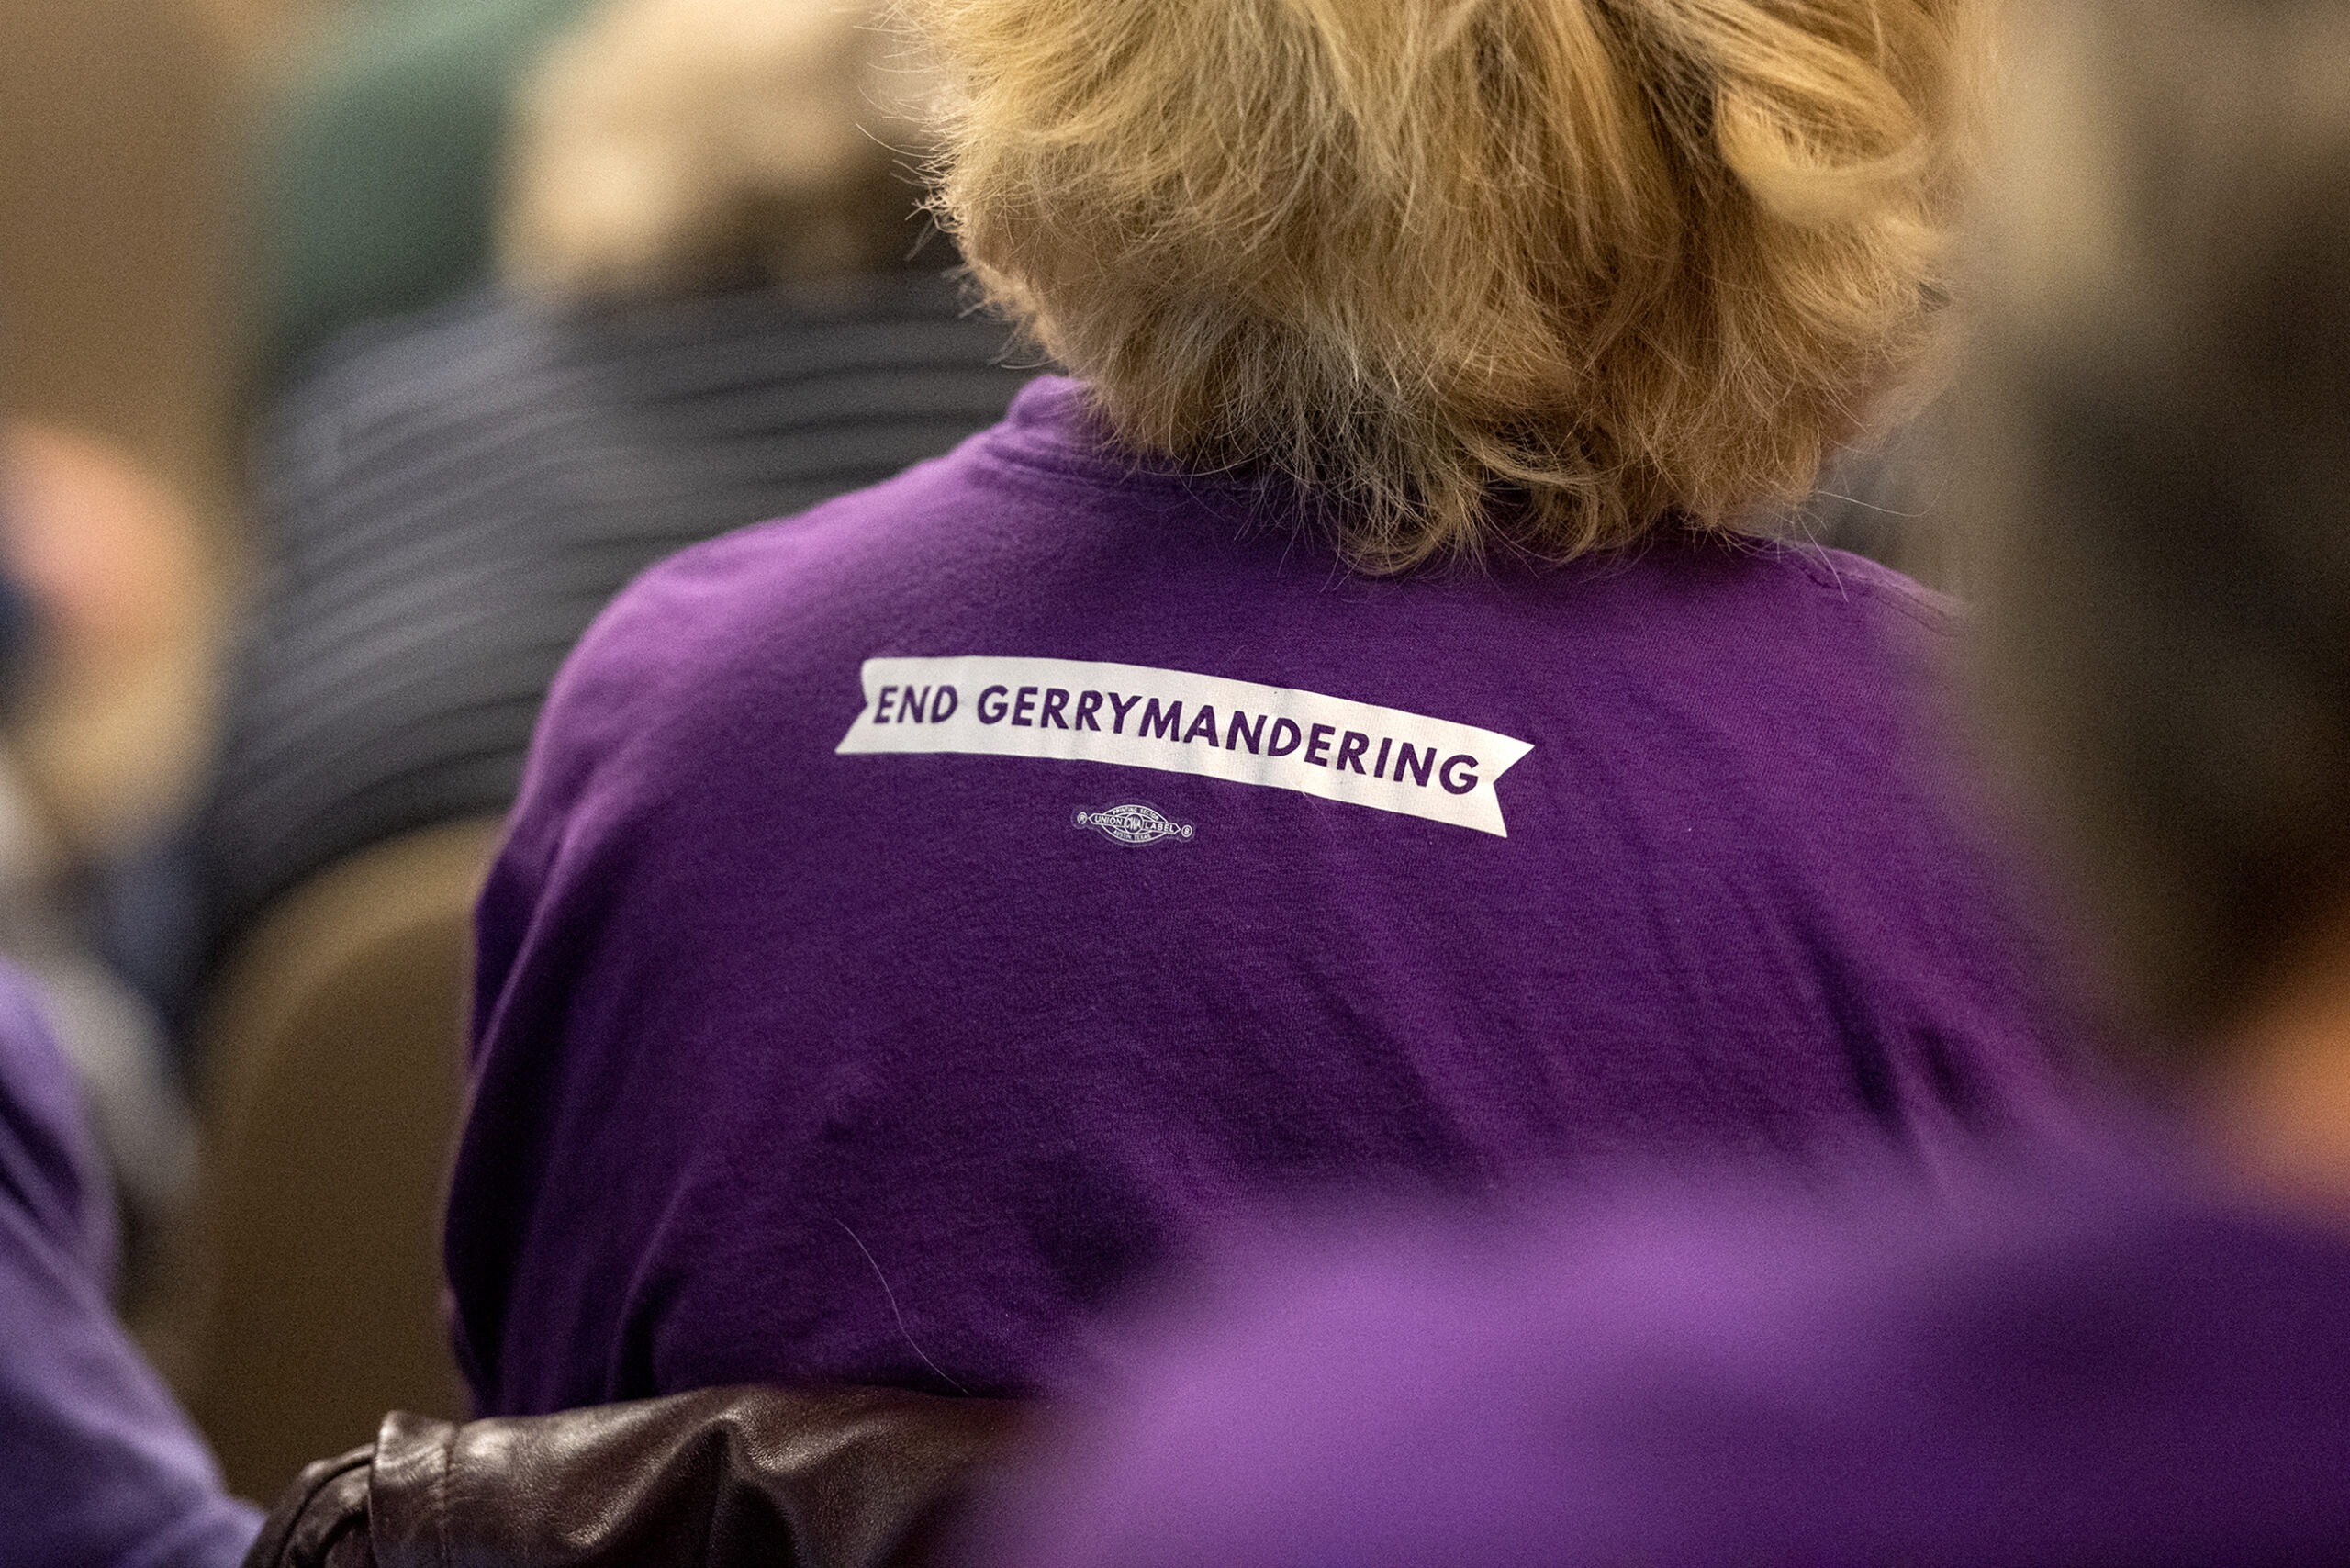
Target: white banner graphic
point(1180, 722)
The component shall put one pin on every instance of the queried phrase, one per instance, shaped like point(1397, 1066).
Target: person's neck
point(2280, 1099)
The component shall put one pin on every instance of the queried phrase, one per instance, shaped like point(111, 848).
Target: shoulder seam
point(1935, 612)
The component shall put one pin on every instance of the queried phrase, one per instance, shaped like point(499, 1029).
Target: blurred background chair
point(334, 1036)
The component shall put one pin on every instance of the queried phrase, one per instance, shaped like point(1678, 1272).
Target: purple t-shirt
point(96, 1464)
point(2061, 1374)
point(922, 912)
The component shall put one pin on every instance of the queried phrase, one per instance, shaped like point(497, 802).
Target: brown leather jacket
point(781, 1478)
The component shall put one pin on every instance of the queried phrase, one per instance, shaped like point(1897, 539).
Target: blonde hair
point(1541, 271)
point(670, 145)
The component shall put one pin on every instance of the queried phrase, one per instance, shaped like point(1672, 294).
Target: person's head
point(677, 145)
point(1551, 270)
point(2161, 404)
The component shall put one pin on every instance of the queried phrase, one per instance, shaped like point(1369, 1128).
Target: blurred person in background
point(93, 553)
point(1345, 735)
point(109, 203)
point(379, 154)
point(98, 1464)
point(718, 307)
point(102, 567)
point(2081, 1364)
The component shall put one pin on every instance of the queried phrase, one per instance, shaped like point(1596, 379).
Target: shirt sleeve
point(98, 1464)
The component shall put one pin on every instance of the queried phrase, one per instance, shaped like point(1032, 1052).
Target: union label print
point(1178, 721)
point(1134, 823)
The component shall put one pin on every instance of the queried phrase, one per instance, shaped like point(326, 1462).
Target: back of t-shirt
point(924, 913)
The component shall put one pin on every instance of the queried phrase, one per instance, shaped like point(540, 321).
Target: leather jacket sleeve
point(783, 1478)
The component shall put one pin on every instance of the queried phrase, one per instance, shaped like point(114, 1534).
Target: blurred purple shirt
point(97, 1465)
point(2059, 1374)
point(922, 914)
